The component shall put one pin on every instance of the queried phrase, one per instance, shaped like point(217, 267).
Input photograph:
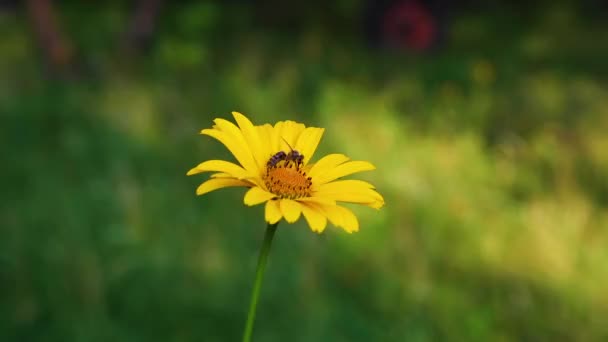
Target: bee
point(293, 156)
point(276, 158)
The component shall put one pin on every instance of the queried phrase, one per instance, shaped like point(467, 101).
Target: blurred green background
point(487, 122)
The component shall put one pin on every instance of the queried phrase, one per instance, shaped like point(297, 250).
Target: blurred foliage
point(491, 152)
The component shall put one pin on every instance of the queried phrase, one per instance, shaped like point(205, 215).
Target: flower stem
point(259, 275)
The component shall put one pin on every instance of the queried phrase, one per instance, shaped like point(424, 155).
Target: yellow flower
point(275, 166)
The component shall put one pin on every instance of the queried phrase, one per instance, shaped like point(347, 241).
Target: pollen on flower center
point(285, 178)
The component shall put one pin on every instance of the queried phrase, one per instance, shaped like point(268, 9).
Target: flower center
point(285, 176)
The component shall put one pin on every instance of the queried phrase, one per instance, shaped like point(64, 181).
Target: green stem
point(259, 275)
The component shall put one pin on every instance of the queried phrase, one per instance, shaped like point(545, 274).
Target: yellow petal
point(315, 218)
point(345, 184)
point(257, 181)
point(308, 141)
point(318, 200)
point(275, 137)
point(257, 146)
point(291, 210)
point(327, 162)
point(256, 195)
point(272, 212)
point(221, 175)
point(287, 132)
point(294, 129)
point(342, 217)
point(353, 191)
point(230, 128)
point(360, 199)
point(348, 168)
point(373, 199)
point(236, 146)
point(350, 223)
point(218, 183)
point(265, 132)
point(219, 166)
point(375, 204)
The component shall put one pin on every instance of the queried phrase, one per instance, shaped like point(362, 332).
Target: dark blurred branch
point(142, 26)
point(56, 48)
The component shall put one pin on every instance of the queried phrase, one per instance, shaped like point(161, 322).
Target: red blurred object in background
point(409, 25)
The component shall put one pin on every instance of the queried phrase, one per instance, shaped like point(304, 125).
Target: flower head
point(275, 164)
